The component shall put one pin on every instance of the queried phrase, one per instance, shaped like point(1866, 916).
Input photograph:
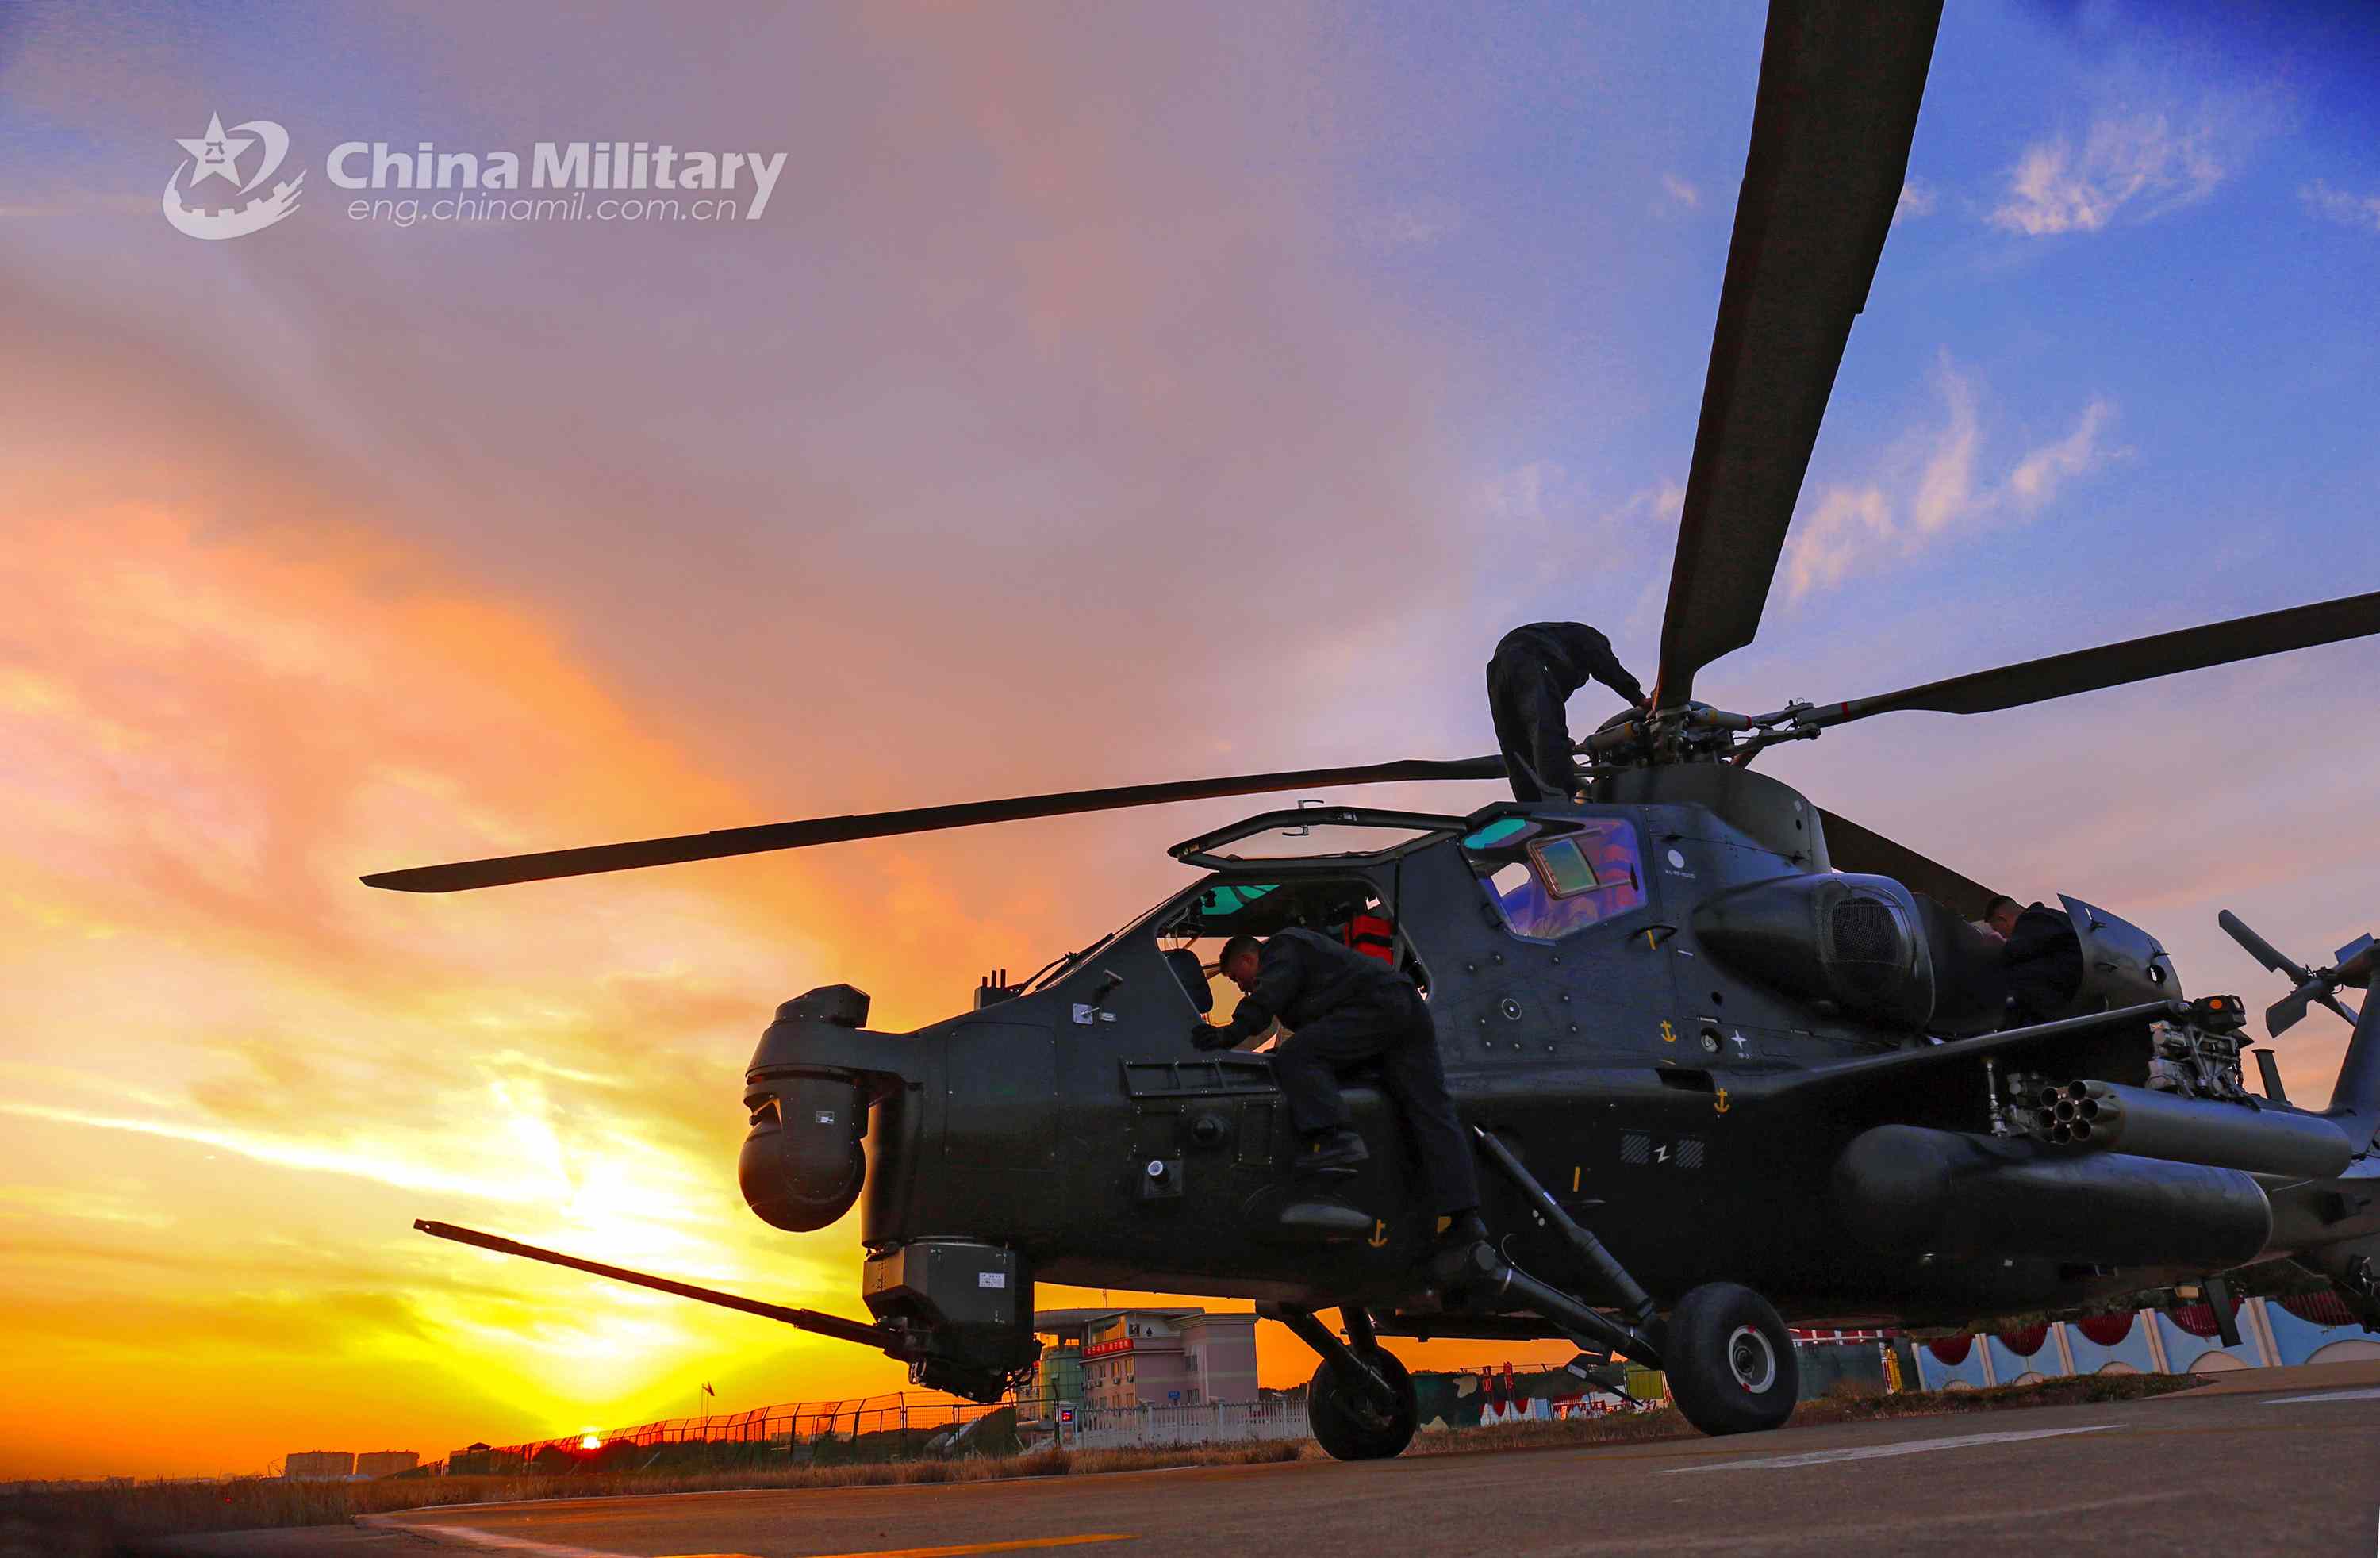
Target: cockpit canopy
point(1548, 878)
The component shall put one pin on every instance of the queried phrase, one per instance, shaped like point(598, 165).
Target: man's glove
point(1206, 1036)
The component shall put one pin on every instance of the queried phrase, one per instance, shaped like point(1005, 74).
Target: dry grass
point(105, 1520)
point(110, 1520)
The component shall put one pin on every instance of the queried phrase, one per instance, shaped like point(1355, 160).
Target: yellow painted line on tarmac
point(962, 1551)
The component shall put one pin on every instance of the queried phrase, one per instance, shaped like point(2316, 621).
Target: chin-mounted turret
point(803, 1163)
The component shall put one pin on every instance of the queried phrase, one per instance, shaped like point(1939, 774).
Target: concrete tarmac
point(2291, 1469)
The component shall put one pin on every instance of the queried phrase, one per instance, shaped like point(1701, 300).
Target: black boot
point(1463, 1253)
point(1462, 1230)
point(1339, 1151)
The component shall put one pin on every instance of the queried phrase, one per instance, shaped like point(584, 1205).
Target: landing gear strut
point(1360, 1404)
point(1729, 1357)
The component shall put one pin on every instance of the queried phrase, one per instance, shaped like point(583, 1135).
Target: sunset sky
point(1106, 393)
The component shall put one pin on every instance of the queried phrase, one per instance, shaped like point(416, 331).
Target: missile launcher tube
point(2114, 1117)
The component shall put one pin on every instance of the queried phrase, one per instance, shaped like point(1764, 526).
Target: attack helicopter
point(1729, 1057)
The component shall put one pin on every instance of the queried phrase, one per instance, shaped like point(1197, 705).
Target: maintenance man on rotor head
point(1530, 677)
point(1343, 1008)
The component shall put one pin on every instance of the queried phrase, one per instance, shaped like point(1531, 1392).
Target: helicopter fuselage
point(1715, 1099)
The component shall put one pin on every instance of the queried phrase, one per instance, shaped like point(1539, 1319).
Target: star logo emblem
point(216, 154)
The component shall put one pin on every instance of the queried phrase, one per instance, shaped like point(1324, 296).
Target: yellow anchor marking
point(1379, 1234)
point(1719, 1103)
point(1668, 1034)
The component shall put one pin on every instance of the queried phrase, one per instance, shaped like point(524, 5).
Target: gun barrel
point(806, 1320)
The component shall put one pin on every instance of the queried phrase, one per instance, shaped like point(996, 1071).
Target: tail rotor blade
point(2258, 948)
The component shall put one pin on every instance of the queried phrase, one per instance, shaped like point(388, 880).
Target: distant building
point(1220, 1355)
point(386, 1463)
point(472, 1461)
point(1056, 1381)
point(318, 1465)
point(1061, 1376)
point(1107, 1359)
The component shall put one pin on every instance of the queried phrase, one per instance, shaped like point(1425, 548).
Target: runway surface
point(2282, 1469)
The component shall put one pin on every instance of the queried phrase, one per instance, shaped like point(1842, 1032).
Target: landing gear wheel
point(1347, 1423)
point(1730, 1360)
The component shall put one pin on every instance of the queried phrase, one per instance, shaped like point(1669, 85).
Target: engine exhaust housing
point(1920, 1190)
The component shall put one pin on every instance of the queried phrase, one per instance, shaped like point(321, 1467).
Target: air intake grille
point(1865, 931)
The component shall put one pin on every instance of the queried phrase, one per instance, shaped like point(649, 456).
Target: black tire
point(1347, 1424)
point(1730, 1360)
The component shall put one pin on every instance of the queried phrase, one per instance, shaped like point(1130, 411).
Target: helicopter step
point(1301, 1216)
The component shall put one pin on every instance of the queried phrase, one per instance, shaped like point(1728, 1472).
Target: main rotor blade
point(1840, 81)
point(2134, 660)
point(463, 875)
point(1862, 851)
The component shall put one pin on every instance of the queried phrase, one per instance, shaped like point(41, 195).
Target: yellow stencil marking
point(1574, 1169)
point(1379, 1234)
point(1719, 1104)
point(1668, 1034)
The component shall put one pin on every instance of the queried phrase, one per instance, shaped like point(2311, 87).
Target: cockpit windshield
point(1548, 878)
point(1216, 909)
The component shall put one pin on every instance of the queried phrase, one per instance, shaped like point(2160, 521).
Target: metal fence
point(1214, 1422)
point(889, 1427)
point(910, 1426)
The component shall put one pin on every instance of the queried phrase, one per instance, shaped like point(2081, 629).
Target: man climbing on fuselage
point(1343, 1008)
point(1531, 677)
point(2043, 958)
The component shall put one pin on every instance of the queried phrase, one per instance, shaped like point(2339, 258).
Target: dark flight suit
point(1345, 1008)
point(2044, 966)
point(1533, 674)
